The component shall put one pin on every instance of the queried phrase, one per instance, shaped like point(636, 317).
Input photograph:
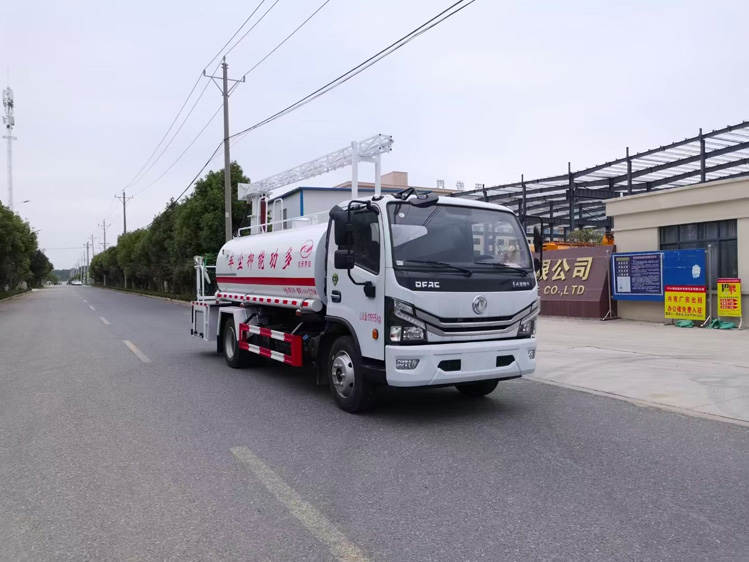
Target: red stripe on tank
point(303, 281)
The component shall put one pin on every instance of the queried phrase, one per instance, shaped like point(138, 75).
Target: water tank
point(289, 263)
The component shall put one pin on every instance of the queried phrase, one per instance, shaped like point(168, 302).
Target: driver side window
point(367, 241)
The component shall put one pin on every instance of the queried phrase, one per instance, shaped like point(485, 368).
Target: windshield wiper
point(505, 266)
point(466, 272)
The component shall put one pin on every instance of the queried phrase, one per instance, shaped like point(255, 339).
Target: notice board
point(729, 297)
point(642, 276)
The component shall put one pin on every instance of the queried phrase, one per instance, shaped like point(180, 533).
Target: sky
point(503, 88)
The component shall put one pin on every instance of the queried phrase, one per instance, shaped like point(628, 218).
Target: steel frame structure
point(368, 150)
point(577, 199)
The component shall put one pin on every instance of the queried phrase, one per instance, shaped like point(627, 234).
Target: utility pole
point(104, 226)
point(10, 122)
point(124, 200)
point(88, 262)
point(225, 92)
point(93, 247)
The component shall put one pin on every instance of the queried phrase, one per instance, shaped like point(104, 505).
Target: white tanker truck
point(401, 290)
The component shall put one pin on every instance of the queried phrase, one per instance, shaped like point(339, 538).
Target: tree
point(586, 236)
point(160, 257)
point(40, 268)
point(18, 246)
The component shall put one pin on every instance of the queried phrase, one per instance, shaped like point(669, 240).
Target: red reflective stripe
point(264, 332)
point(285, 301)
point(265, 352)
point(303, 281)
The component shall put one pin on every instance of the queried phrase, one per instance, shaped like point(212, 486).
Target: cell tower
point(10, 121)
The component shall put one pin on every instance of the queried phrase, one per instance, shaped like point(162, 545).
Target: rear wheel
point(351, 390)
point(478, 388)
point(233, 355)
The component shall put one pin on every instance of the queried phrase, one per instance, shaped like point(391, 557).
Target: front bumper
point(478, 361)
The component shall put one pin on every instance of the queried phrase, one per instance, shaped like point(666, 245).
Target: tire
point(477, 389)
point(351, 390)
point(234, 356)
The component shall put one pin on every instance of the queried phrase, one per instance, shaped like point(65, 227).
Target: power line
point(253, 27)
point(233, 36)
point(141, 172)
point(346, 76)
point(243, 76)
point(165, 172)
point(289, 36)
point(174, 136)
point(192, 181)
point(423, 28)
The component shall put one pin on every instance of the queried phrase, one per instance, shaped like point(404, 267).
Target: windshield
point(467, 237)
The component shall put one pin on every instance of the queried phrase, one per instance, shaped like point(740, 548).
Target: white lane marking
point(315, 522)
point(91, 307)
point(84, 300)
point(138, 353)
point(104, 320)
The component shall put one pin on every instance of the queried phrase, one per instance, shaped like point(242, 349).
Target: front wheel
point(478, 388)
point(351, 390)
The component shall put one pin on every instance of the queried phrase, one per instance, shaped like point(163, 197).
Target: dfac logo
point(426, 284)
point(479, 305)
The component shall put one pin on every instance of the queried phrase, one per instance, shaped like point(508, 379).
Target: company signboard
point(574, 282)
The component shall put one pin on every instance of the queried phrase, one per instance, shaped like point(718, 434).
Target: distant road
point(123, 438)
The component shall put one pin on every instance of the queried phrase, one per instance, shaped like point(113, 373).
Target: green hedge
point(7, 294)
point(175, 296)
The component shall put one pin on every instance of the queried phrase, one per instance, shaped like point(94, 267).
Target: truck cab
point(434, 291)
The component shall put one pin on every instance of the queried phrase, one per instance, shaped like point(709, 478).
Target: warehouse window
point(721, 235)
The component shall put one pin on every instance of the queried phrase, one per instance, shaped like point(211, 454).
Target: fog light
point(531, 354)
point(395, 333)
point(406, 364)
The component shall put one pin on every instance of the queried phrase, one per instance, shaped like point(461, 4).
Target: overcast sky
point(502, 88)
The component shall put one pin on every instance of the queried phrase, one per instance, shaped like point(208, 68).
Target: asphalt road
point(106, 457)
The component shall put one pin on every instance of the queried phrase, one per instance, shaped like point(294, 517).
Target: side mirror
point(342, 230)
point(537, 264)
point(343, 259)
point(538, 241)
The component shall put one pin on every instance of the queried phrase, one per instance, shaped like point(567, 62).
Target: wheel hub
point(343, 374)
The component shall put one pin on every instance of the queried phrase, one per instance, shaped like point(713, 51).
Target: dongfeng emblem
point(335, 279)
point(479, 305)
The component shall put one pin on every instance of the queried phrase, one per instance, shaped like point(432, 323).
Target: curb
point(18, 296)
point(642, 403)
point(165, 299)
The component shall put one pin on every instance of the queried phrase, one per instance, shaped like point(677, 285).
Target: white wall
point(637, 219)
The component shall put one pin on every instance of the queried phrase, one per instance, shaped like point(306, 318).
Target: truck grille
point(497, 326)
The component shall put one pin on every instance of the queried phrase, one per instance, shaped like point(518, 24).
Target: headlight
point(528, 326)
point(413, 333)
point(404, 326)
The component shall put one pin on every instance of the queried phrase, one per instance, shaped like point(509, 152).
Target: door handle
point(335, 296)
